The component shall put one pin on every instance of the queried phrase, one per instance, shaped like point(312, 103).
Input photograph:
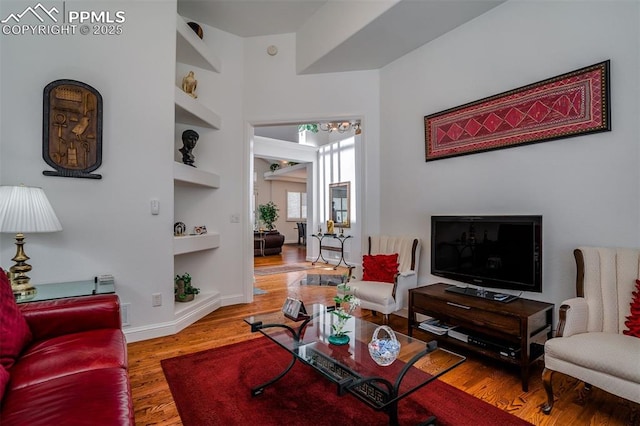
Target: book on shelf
point(435, 326)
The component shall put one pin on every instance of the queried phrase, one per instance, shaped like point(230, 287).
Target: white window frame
point(302, 199)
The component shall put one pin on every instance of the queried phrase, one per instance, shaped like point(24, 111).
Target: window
point(296, 206)
point(336, 163)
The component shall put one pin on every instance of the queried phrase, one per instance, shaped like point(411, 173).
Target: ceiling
point(250, 18)
point(385, 36)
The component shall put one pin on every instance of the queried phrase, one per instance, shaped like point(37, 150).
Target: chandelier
point(340, 126)
point(332, 126)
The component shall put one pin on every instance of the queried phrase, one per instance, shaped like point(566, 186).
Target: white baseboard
point(234, 299)
point(137, 334)
point(186, 315)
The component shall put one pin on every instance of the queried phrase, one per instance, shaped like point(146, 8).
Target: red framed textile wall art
point(568, 105)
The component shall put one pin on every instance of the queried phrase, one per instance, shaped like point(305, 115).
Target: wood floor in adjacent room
point(490, 381)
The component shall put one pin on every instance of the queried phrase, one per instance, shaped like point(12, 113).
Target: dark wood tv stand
point(523, 324)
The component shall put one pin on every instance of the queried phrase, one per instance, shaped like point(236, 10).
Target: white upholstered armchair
point(387, 297)
point(590, 344)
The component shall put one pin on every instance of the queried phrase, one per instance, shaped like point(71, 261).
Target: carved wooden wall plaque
point(72, 129)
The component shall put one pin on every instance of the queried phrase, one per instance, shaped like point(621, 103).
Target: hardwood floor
point(490, 381)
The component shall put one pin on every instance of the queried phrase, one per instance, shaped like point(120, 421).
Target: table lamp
point(25, 209)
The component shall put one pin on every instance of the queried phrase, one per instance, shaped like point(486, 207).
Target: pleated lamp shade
point(25, 209)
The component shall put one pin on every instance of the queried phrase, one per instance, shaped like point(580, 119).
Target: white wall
point(273, 93)
point(261, 187)
point(586, 188)
point(107, 225)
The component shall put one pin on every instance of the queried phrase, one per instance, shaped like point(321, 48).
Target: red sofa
point(63, 362)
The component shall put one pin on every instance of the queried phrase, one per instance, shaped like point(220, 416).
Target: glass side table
point(68, 289)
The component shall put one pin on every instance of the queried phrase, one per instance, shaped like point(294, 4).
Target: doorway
point(326, 157)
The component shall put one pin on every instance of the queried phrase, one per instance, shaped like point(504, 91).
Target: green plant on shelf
point(183, 290)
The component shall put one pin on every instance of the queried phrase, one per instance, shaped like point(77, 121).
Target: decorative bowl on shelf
point(196, 29)
point(384, 350)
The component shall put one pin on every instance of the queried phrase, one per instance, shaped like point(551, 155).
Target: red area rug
point(213, 387)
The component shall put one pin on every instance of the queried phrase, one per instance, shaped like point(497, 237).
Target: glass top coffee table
point(351, 366)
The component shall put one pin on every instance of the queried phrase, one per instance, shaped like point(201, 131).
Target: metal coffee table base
point(377, 392)
point(380, 389)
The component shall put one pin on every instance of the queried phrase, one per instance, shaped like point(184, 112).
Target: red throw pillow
point(14, 331)
point(380, 267)
point(633, 320)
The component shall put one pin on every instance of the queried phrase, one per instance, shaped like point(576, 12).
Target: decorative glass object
point(384, 351)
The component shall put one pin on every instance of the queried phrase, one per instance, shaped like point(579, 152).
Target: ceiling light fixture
point(340, 126)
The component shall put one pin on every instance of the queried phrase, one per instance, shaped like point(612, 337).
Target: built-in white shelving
point(194, 176)
point(193, 243)
point(191, 50)
point(191, 183)
point(190, 111)
point(297, 173)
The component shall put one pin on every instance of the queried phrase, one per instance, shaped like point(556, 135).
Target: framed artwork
point(294, 309)
point(570, 104)
point(72, 129)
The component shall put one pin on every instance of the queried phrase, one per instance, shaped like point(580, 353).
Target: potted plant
point(183, 291)
point(339, 336)
point(268, 214)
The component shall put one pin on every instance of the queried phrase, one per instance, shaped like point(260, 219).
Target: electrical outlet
point(156, 299)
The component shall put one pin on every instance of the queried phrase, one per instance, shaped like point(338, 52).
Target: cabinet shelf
point(523, 324)
point(193, 176)
point(190, 111)
point(193, 243)
point(191, 50)
point(536, 350)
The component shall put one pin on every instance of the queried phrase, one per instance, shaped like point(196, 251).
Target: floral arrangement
point(343, 297)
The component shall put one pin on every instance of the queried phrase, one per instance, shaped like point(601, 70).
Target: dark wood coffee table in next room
point(350, 366)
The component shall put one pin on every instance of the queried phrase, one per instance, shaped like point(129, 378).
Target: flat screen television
point(503, 252)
